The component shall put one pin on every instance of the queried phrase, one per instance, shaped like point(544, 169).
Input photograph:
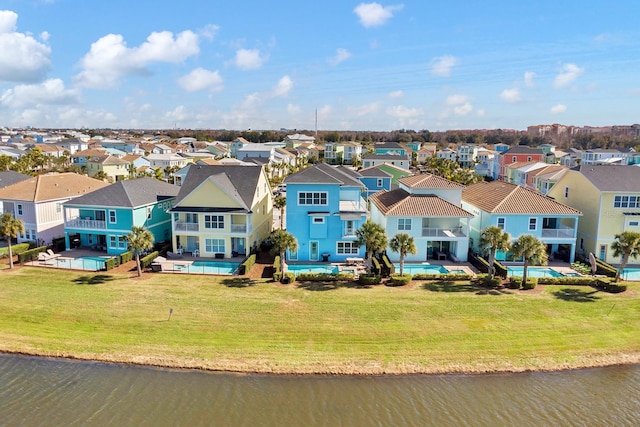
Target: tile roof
point(129, 193)
point(427, 180)
point(506, 198)
point(523, 149)
point(51, 187)
point(322, 173)
point(11, 177)
point(399, 202)
point(613, 178)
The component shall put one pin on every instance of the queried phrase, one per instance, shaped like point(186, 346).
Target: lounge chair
point(52, 254)
point(172, 255)
point(48, 255)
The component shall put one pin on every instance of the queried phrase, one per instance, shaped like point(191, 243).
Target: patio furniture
point(46, 256)
point(173, 255)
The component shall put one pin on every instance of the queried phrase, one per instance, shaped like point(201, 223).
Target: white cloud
point(442, 65)
point(293, 109)
point(569, 73)
point(178, 114)
point(284, 86)
point(481, 112)
point(374, 14)
point(460, 104)
point(109, 58)
point(49, 92)
point(22, 58)
point(341, 55)
point(402, 112)
point(528, 78)
point(510, 95)
point(559, 108)
point(396, 94)
point(209, 31)
point(248, 59)
point(201, 79)
point(366, 109)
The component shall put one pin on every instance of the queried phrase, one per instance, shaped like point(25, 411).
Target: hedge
point(147, 260)
point(605, 268)
point(398, 280)
point(247, 265)
point(276, 268)
point(375, 265)
point(15, 249)
point(438, 276)
point(109, 264)
point(125, 257)
point(369, 279)
point(516, 281)
point(31, 254)
point(388, 266)
point(324, 277)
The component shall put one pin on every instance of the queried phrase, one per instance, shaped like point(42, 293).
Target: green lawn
point(234, 324)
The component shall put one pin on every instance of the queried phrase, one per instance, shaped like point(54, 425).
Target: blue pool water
point(81, 263)
point(206, 267)
point(534, 272)
point(631, 274)
point(421, 269)
point(312, 268)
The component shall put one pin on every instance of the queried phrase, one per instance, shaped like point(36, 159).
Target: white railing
point(86, 223)
point(443, 232)
point(238, 228)
point(558, 232)
point(187, 226)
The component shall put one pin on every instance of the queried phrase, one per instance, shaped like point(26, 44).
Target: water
point(35, 392)
point(631, 274)
point(421, 269)
point(80, 263)
point(203, 267)
point(312, 268)
point(534, 272)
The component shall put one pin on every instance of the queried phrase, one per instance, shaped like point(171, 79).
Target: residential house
point(324, 209)
point(222, 211)
point(81, 158)
point(389, 147)
point(381, 177)
point(342, 152)
point(485, 162)
point(609, 197)
point(402, 161)
point(520, 153)
point(518, 172)
point(467, 154)
point(236, 145)
point(38, 201)
point(8, 178)
point(542, 180)
point(167, 161)
point(72, 145)
point(518, 211)
point(102, 219)
point(114, 168)
point(605, 156)
point(427, 207)
point(415, 146)
point(447, 153)
point(427, 151)
point(297, 139)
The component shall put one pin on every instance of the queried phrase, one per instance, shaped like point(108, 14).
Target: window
point(514, 159)
point(214, 221)
point(318, 220)
point(379, 183)
point(312, 198)
point(566, 192)
point(501, 223)
point(58, 207)
point(404, 223)
point(349, 228)
point(533, 223)
point(119, 242)
point(149, 210)
point(112, 217)
point(348, 248)
point(626, 202)
point(528, 158)
point(581, 243)
point(19, 207)
point(633, 223)
point(214, 245)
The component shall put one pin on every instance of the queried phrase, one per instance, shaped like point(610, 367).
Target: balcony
point(187, 226)
point(559, 233)
point(88, 224)
point(443, 232)
point(238, 228)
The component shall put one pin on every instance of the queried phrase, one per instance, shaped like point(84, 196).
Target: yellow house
point(609, 198)
point(115, 168)
point(222, 211)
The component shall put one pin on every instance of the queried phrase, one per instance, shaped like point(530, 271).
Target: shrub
point(514, 282)
point(608, 286)
point(581, 267)
point(605, 269)
point(579, 281)
point(398, 280)
point(483, 280)
point(147, 260)
point(125, 257)
point(531, 283)
point(109, 264)
point(478, 262)
point(289, 277)
point(369, 279)
point(324, 277)
point(439, 276)
point(15, 249)
point(276, 268)
point(31, 254)
point(388, 266)
point(247, 265)
point(376, 265)
point(501, 270)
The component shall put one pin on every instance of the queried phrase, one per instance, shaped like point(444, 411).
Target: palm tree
point(139, 239)
point(10, 227)
point(279, 203)
point(404, 245)
point(627, 245)
point(373, 237)
point(493, 239)
point(282, 242)
point(532, 250)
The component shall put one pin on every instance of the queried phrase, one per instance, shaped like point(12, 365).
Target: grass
point(236, 324)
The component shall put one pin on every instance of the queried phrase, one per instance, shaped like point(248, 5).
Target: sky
point(345, 65)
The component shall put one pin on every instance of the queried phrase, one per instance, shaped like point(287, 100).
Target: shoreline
point(618, 360)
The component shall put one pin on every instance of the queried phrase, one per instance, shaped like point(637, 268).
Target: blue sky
point(361, 65)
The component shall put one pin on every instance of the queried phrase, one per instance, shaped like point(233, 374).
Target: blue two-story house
point(325, 207)
point(518, 211)
point(101, 219)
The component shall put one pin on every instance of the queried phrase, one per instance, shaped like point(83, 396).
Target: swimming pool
point(534, 272)
point(420, 269)
point(205, 267)
point(312, 268)
point(631, 274)
point(89, 263)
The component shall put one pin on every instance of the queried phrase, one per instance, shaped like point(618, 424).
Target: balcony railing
point(187, 226)
point(86, 223)
point(562, 233)
point(238, 228)
point(443, 232)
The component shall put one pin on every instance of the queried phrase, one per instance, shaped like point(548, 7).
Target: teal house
point(100, 220)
